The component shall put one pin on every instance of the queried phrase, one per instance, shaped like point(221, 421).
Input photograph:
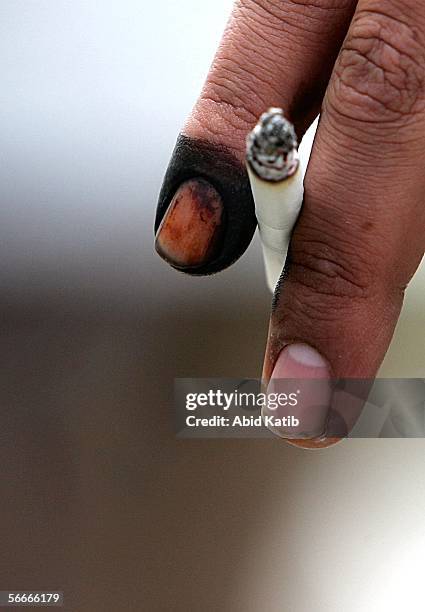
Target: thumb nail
point(302, 376)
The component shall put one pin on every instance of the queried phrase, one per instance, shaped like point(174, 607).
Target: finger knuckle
point(322, 270)
point(330, 263)
point(318, 288)
point(380, 76)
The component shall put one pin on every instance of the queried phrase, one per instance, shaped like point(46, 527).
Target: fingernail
point(190, 232)
point(303, 376)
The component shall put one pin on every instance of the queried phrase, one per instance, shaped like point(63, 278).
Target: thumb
point(360, 236)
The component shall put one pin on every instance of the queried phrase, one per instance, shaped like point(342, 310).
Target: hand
point(361, 233)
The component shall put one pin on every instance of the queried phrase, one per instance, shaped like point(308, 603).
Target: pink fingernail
point(303, 375)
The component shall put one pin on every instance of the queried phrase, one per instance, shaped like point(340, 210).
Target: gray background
point(98, 499)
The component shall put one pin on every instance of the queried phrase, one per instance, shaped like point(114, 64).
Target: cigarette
point(276, 179)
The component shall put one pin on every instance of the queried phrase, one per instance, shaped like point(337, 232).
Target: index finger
point(273, 53)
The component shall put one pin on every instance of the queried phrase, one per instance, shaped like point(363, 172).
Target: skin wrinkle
point(245, 119)
point(326, 272)
point(255, 45)
point(330, 330)
point(338, 136)
point(398, 31)
point(318, 242)
point(361, 249)
point(364, 258)
point(324, 5)
point(321, 316)
point(280, 10)
point(234, 96)
point(346, 179)
point(231, 125)
point(227, 69)
point(376, 73)
point(398, 19)
point(373, 125)
point(261, 47)
point(384, 78)
point(322, 311)
point(292, 312)
point(316, 276)
point(220, 92)
point(355, 90)
point(242, 79)
point(270, 33)
point(290, 25)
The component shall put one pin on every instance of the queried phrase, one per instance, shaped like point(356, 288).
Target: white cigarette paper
point(276, 179)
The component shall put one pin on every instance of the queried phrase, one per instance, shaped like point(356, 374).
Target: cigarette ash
point(271, 148)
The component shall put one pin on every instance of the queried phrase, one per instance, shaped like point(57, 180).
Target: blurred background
point(98, 497)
